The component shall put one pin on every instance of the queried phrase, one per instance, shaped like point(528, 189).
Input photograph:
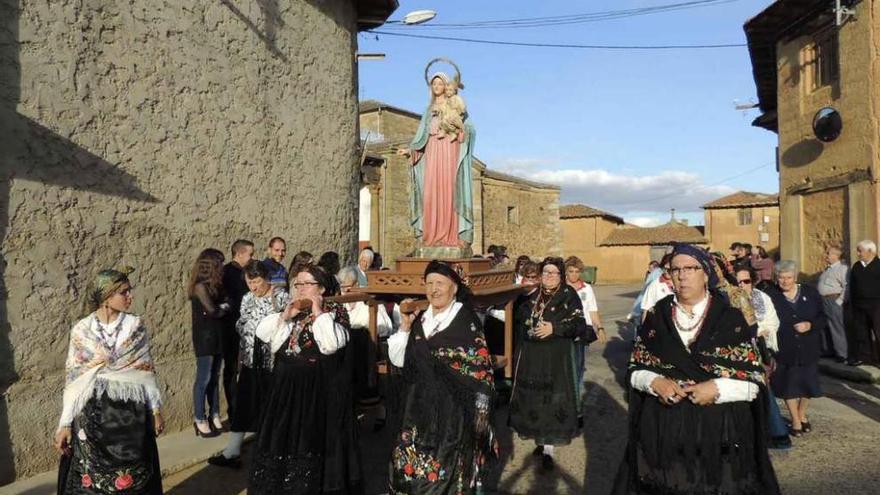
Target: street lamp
point(411, 19)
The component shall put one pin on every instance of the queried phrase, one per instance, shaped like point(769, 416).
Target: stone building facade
point(743, 217)
point(141, 133)
point(510, 211)
point(583, 230)
point(802, 62)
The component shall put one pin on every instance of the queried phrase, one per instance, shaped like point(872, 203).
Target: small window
point(822, 60)
point(513, 215)
point(744, 216)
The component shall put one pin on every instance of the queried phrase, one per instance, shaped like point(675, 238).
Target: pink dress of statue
point(440, 220)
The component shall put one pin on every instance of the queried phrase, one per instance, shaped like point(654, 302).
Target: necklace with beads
point(696, 326)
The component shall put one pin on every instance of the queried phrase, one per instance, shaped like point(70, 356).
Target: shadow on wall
point(32, 152)
point(802, 153)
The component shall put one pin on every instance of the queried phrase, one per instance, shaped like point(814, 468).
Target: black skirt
point(307, 440)
point(795, 382)
point(544, 402)
point(113, 450)
point(251, 392)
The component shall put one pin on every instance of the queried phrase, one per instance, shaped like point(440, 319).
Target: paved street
point(841, 455)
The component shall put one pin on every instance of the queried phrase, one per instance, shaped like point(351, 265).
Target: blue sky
point(632, 132)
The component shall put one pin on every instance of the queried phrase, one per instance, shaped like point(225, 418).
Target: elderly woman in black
point(697, 411)
point(544, 405)
point(446, 437)
point(307, 440)
point(801, 322)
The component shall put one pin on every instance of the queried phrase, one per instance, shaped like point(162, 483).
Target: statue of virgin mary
point(441, 154)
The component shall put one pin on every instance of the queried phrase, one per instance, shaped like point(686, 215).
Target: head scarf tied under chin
point(701, 256)
point(105, 284)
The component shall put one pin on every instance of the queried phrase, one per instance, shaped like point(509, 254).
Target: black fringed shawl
point(446, 435)
point(686, 448)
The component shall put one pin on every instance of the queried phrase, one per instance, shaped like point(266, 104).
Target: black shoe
point(780, 443)
point(199, 432)
point(855, 362)
point(840, 360)
point(580, 422)
point(547, 462)
point(539, 451)
point(806, 427)
point(222, 461)
point(796, 432)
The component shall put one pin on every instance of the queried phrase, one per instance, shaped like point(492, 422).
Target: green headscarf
point(104, 285)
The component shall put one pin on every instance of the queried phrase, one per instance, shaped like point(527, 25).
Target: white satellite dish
point(419, 17)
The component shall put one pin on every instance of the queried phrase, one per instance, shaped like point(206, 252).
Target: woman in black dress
point(801, 323)
point(544, 405)
point(697, 396)
point(446, 437)
point(209, 306)
point(111, 399)
point(307, 441)
point(254, 360)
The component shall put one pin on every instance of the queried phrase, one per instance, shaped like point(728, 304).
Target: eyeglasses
point(300, 285)
point(747, 281)
point(685, 270)
point(546, 272)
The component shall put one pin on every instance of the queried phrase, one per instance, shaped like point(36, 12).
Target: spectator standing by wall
point(864, 304)
point(275, 255)
point(832, 288)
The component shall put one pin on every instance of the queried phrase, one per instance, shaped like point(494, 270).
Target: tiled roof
point(650, 236)
point(584, 211)
point(744, 198)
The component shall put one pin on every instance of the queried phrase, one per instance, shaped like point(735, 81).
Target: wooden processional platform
point(489, 287)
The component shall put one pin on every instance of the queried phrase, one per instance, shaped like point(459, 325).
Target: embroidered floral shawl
point(124, 369)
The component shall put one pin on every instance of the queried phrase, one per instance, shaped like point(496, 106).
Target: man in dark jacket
point(235, 286)
point(863, 303)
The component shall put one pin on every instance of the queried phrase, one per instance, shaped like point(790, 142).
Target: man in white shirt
point(832, 287)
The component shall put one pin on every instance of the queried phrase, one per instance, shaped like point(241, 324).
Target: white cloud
point(644, 221)
point(623, 193)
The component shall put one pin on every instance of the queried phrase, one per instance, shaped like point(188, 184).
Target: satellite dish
point(418, 17)
point(827, 124)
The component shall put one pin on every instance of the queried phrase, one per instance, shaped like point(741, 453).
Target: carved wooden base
point(408, 278)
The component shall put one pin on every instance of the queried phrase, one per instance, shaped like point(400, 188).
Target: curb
point(860, 374)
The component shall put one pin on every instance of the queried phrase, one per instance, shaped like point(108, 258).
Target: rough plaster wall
point(823, 224)
point(141, 133)
point(536, 232)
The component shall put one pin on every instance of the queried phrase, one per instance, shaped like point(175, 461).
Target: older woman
point(695, 374)
point(111, 412)
point(801, 322)
point(307, 440)
point(445, 437)
point(544, 404)
point(254, 360)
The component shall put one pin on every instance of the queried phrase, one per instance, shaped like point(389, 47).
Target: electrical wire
point(702, 186)
point(566, 19)
point(563, 45)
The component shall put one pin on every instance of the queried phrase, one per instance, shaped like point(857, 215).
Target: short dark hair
point(329, 261)
point(735, 245)
point(320, 276)
point(752, 273)
point(239, 245)
point(556, 261)
point(256, 269)
point(746, 246)
point(273, 240)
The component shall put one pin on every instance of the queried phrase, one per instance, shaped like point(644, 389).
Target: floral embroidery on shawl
point(414, 462)
point(642, 356)
point(301, 337)
point(746, 353)
point(474, 361)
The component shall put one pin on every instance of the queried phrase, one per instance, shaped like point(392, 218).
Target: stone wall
point(141, 133)
point(808, 166)
point(723, 228)
point(522, 217)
